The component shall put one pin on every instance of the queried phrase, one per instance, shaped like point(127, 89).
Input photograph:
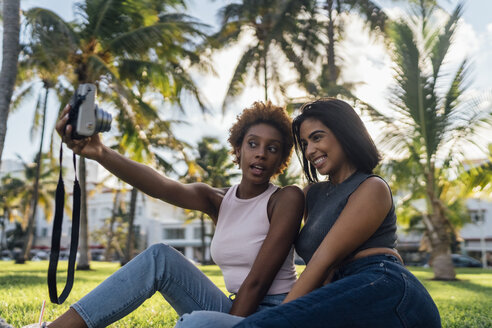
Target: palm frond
point(374, 15)
point(37, 116)
point(236, 85)
point(46, 20)
point(98, 69)
point(456, 90)
point(23, 94)
point(408, 79)
point(230, 12)
point(441, 47)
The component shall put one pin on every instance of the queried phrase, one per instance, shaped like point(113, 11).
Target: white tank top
point(242, 227)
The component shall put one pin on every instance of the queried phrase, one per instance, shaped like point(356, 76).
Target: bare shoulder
point(373, 191)
point(287, 202)
point(375, 185)
point(288, 194)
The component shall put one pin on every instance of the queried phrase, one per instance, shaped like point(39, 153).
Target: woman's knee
point(160, 249)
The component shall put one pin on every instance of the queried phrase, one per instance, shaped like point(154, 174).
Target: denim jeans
point(159, 268)
point(218, 319)
point(376, 291)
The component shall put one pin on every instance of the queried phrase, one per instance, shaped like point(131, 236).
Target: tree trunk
point(2, 235)
point(109, 242)
point(34, 201)
point(439, 237)
point(10, 53)
point(332, 68)
point(131, 219)
point(265, 71)
point(84, 252)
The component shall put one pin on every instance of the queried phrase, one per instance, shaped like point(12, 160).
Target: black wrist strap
point(56, 236)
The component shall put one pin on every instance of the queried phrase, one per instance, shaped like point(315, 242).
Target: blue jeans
point(159, 268)
point(217, 319)
point(376, 291)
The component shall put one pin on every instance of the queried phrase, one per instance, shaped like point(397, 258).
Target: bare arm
point(196, 196)
point(284, 227)
point(365, 211)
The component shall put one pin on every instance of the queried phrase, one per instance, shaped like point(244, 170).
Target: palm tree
point(37, 65)
point(326, 26)
point(23, 199)
point(212, 166)
point(274, 26)
point(430, 122)
point(113, 232)
point(145, 146)
point(215, 162)
point(477, 178)
point(11, 27)
point(10, 189)
point(116, 44)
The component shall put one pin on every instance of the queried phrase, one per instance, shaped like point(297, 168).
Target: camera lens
point(103, 120)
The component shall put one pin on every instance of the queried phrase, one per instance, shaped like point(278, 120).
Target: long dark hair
point(348, 128)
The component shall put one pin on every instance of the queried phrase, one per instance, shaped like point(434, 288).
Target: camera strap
point(56, 236)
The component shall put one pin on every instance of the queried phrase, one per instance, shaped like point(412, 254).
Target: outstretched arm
point(196, 196)
point(284, 226)
point(365, 211)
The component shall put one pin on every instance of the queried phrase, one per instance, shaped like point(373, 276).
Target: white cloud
point(466, 42)
point(489, 29)
point(366, 62)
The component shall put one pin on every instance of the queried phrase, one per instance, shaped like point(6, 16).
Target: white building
point(477, 235)
point(155, 220)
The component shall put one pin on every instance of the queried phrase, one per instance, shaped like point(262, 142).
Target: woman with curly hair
point(256, 225)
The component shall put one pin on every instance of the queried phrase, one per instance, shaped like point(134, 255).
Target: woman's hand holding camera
point(90, 147)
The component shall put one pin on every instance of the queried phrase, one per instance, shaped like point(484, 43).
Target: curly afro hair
point(267, 113)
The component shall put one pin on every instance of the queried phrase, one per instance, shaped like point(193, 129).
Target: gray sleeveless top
point(325, 201)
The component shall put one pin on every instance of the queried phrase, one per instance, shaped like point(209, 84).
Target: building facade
point(477, 235)
point(155, 221)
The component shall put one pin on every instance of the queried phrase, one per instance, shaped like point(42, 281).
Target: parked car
point(464, 261)
point(6, 255)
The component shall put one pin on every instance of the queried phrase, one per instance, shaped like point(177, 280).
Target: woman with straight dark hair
point(349, 130)
point(354, 277)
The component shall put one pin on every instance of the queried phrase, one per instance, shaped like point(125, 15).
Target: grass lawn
point(464, 303)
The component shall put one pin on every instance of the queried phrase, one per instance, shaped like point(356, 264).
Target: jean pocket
point(416, 308)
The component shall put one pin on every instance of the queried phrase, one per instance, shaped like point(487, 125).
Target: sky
point(366, 62)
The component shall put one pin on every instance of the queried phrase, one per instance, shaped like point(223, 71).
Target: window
point(477, 216)
point(44, 232)
point(197, 233)
point(173, 233)
point(106, 212)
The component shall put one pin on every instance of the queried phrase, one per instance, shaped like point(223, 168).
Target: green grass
point(464, 303)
